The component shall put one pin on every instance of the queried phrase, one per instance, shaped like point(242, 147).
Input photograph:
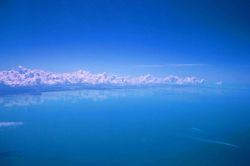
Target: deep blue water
point(136, 127)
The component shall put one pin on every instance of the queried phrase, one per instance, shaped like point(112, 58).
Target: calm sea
point(133, 127)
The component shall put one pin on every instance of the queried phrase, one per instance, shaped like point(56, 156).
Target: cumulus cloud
point(25, 77)
point(10, 124)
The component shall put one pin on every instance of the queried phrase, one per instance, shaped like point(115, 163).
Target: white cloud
point(219, 83)
point(187, 65)
point(170, 65)
point(24, 77)
point(150, 66)
point(10, 124)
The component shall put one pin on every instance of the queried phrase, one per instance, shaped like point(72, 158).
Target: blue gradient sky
point(129, 37)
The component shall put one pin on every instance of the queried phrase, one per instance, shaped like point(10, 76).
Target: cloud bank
point(25, 77)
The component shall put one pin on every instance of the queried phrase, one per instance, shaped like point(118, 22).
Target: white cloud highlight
point(150, 66)
point(219, 83)
point(187, 65)
point(10, 124)
point(170, 65)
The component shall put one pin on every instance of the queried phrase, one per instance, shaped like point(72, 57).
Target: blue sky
point(129, 37)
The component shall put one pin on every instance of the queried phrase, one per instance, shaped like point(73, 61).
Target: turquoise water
point(136, 127)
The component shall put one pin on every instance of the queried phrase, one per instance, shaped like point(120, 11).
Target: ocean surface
point(127, 127)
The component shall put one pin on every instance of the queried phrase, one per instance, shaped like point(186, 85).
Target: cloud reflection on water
point(99, 95)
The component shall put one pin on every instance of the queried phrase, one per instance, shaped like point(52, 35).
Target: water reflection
point(100, 95)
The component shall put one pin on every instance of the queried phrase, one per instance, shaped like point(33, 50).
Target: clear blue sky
point(129, 37)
